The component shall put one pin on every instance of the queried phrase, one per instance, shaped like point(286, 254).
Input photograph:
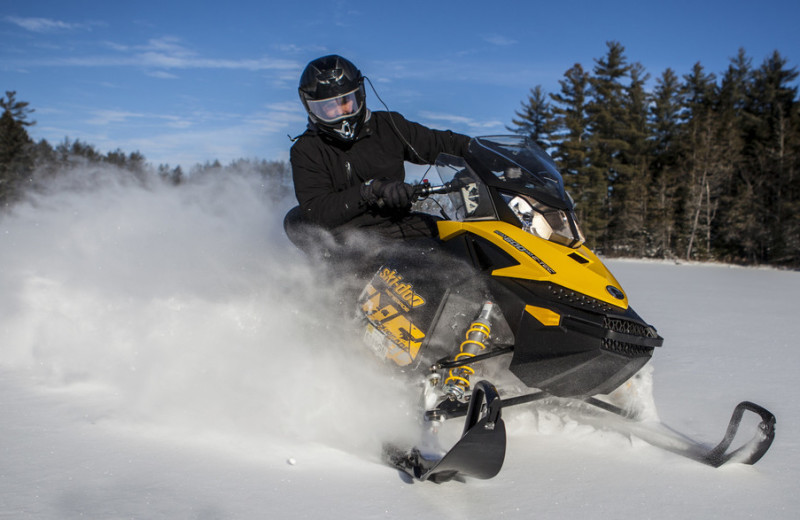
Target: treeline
point(28, 165)
point(698, 167)
point(701, 166)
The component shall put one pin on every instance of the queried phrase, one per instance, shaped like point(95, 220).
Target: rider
point(348, 165)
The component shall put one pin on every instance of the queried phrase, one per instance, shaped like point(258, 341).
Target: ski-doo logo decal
point(519, 247)
point(616, 293)
point(405, 291)
point(405, 337)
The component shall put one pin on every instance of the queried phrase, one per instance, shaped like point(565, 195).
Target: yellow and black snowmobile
point(511, 276)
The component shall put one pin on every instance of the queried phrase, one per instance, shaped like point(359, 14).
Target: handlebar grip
point(424, 190)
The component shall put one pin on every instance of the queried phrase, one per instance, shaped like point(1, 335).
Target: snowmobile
point(510, 282)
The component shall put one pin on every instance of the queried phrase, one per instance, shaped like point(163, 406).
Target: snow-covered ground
point(164, 353)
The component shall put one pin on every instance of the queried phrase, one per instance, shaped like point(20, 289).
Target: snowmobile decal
point(519, 247)
point(546, 317)
point(403, 290)
point(389, 330)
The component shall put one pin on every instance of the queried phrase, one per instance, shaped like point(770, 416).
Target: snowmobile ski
point(479, 453)
point(661, 436)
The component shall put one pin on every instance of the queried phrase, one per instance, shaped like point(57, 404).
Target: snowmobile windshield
point(521, 165)
point(523, 178)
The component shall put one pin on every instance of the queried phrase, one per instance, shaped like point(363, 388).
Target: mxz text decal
point(519, 247)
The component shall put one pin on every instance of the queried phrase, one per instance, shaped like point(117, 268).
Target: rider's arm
point(321, 200)
point(427, 142)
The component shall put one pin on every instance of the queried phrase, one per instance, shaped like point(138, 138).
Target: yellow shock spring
point(477, 333)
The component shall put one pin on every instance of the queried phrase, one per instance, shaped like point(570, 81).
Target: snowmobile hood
point(534, 258)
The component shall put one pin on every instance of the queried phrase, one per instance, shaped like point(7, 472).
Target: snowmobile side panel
point(402, 303)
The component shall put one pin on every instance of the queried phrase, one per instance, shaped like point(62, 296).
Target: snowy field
point(164, 353)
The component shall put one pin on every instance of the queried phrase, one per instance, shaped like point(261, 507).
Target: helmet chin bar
point(346, 131)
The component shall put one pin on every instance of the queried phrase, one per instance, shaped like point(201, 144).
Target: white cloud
point(110, 117)
point(40, 25)
point(158, 56)
point(499, 40)
point(286, 106)
point(290, 48)
point(281, 117)
point(468, 122)
point(169, 53)
point(48, 25)
point(105, 117)
point(178, 122)
point(161, 74)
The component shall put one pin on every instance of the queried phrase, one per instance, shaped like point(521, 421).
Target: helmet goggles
point(334, 109)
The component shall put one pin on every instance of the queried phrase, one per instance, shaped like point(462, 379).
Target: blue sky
point(189, 82)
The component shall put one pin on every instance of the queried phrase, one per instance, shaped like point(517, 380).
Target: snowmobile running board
point(481, 450)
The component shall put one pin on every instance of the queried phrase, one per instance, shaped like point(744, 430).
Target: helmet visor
point(336, 108)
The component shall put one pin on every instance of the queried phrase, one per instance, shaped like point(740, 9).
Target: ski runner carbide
point(559, 322)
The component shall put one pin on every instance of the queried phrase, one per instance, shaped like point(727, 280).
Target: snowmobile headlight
point(556, 225)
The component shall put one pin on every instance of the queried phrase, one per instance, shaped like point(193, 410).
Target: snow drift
point(187, 306)
point(164, 351)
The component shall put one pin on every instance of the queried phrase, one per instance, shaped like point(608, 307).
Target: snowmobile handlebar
point(425, 189)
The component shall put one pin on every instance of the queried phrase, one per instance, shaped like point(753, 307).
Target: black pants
point(361, 246)
point(412, 226)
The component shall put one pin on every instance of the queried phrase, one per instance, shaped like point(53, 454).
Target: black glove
point(387, 193)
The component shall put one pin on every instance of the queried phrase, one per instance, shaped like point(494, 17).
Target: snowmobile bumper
point(570, 345)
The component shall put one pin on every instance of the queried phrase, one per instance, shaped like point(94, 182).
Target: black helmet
point(332, 92)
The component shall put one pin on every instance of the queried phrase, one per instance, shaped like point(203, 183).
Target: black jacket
point(328, 174)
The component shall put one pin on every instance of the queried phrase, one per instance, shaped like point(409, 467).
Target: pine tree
point(629, 220)
point(704, 165)
point(16, 147)
point(535, 118)
point(665, 124)
point(768, 129)
point(18, 110)
point(741, 235)
point(570, 137)
point(792, 225)
point(608, 129)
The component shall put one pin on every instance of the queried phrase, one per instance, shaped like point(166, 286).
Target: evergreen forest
point(704, 166)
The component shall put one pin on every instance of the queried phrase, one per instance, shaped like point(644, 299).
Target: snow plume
point(186, 309)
